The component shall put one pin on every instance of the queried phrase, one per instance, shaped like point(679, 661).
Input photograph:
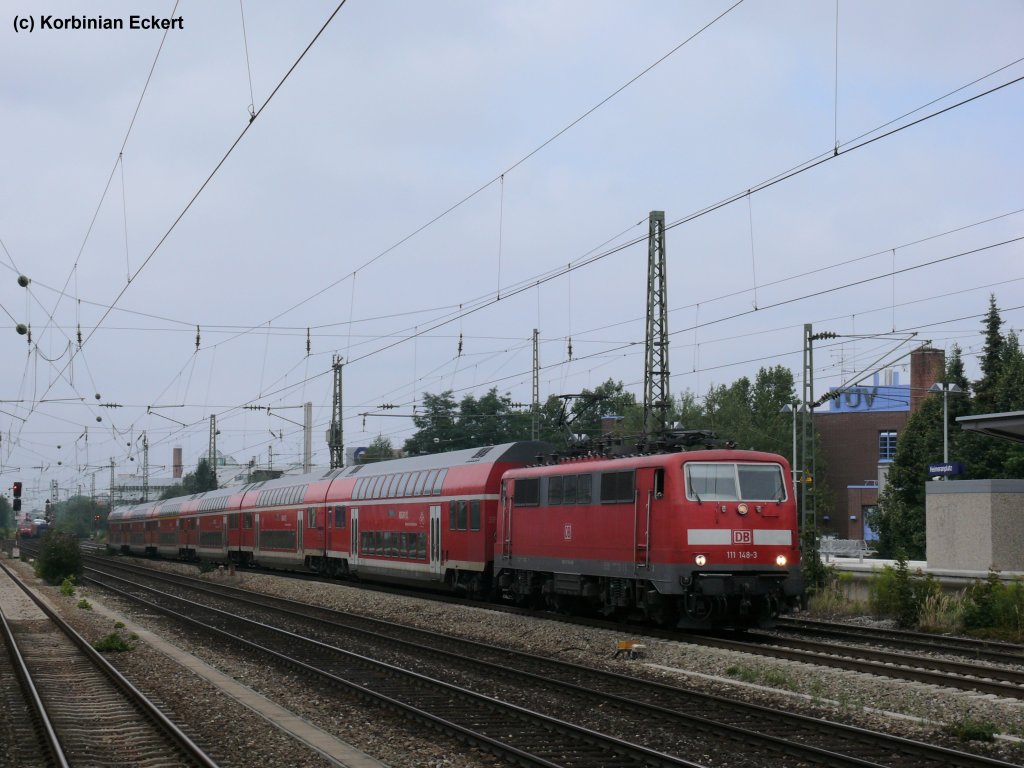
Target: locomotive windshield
point(726, 481)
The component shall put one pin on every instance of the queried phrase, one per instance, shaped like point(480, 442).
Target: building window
point(886, 446)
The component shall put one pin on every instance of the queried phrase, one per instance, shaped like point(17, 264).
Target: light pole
point(945, 388)
point(794, 409)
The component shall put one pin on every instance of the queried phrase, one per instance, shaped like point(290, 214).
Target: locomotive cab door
point(650, 496)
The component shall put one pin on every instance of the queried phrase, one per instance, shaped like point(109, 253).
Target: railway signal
point(17, 496)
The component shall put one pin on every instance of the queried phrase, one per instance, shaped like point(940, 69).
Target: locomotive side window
point(474, 515)
point(761, 482)
point(554, 490)
point(616, 487)
point(527, 492)
point(582, 489)
point(569, 489)
point(659, 483)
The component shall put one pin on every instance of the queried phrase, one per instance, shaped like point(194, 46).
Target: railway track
point(652, 714)
point(78, 709)
point(919, 642)
point(999, 679)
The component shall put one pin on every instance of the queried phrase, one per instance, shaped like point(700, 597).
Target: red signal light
point(17, 489)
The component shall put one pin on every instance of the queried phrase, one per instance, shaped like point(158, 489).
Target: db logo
point(567, 534)
point(742, 537)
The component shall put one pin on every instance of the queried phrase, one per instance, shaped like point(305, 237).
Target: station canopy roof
point(1008, 426)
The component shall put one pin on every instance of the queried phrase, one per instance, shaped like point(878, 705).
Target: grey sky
point(401, 110)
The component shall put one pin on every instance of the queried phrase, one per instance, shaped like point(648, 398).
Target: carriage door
point(435, 539)
point(298, 532)
point(650, 490)
point(353, 546)
point(506, 521)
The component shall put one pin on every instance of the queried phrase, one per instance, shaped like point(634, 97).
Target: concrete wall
point(974, 525)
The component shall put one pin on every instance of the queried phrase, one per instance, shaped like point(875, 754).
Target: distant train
point(692, 539)
point(32, 529)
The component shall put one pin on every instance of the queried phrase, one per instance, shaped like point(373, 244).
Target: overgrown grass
point(774, 678)
point(988, 608)
point(834, 598)
point(968, 729)
point(85, 605)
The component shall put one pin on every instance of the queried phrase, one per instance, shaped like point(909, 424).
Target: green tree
point(7, 520)
point(203, 479)
point(379, 450)
point(436, 426)
point(78, 516)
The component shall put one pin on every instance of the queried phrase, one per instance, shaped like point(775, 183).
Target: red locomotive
point(692, 539)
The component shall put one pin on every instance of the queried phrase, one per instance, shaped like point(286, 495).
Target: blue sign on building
point(947, 468)
point(876, 397)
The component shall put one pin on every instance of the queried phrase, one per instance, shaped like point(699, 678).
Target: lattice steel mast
point(335, 432)
point(656, 373)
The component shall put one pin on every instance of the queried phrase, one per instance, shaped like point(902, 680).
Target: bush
point(59, 557)
point(113, 643)
point(85, 605)
point(995, 606)
point(67, 587)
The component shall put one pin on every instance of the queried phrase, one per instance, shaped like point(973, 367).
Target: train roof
point(518, 453)
point(605, 463)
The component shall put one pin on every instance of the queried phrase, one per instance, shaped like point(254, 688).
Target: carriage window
point(616, 487)
point(582, 489)
point(247, 519)
point(420, 481)
point(428, 483)
point(375, 488)
point(554, 490)
point(451, 515)
point(526, 492)
point(439, 481)
point(233, 521)
point(339, 517)
point(311, 517)
point(474, 515)
point(461, 509)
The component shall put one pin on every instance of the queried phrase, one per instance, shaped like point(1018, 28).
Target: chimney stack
point(927, 366)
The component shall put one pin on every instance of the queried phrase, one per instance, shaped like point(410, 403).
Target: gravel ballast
point(908, 709)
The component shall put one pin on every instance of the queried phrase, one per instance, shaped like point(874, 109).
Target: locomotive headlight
point(700, 559)
point(742, 509)
point(780, 561)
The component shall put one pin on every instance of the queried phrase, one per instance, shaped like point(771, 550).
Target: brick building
point(858, 440)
